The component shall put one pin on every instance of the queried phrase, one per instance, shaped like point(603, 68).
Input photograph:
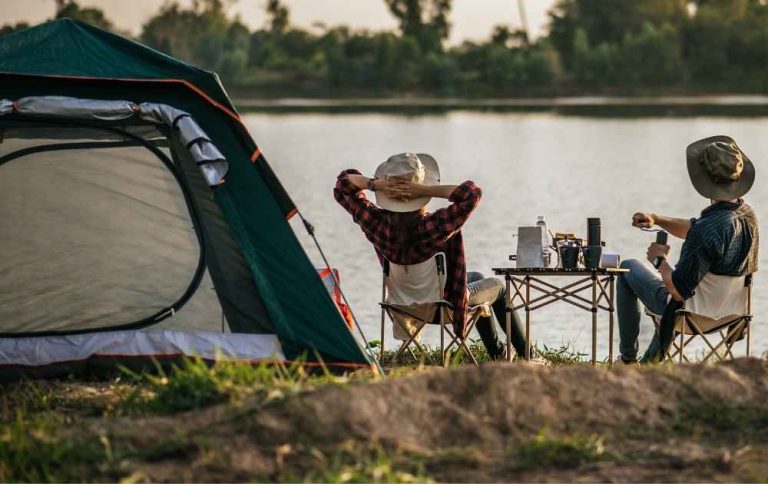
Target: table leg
point(611, 310)
point(508, 318)
point(594, 319)
point(527, 318)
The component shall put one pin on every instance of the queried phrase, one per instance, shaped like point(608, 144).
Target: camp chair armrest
point(444, 304)
point(441, 303)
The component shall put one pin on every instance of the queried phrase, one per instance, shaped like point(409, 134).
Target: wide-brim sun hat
point(417, 168)
point(718, 169)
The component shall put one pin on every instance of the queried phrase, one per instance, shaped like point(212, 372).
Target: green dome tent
point(138, 217)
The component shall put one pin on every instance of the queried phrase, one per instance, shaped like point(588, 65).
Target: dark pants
point(491, 290)
point(641, 285)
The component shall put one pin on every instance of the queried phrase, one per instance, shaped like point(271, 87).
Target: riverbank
point(727, 105)
point(499, 422)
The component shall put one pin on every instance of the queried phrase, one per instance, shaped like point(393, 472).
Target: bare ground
point(500, 422)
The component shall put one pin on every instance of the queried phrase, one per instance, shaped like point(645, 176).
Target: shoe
point(500, 355)
point(621, 360)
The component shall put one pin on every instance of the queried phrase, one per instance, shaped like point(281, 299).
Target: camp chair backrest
point(414, 288)
point(414, 283)
point(719, 296)
point(413, 298)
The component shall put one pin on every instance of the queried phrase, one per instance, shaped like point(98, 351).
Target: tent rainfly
point(138, 218)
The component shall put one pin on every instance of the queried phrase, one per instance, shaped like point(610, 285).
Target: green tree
point(216, 42)
point(609, 21)
point(11, 28)
point(91, 15)
point(278, 16)
point(424, 20)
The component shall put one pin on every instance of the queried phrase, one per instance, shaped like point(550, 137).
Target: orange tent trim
point(255, 155)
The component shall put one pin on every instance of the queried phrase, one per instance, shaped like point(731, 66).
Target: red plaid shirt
point(436, 232)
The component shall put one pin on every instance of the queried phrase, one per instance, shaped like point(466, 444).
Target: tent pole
point(311, 231)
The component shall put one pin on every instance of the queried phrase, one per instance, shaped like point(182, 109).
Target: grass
point(560, 356)
point(549, 452)
point(720, 418)
point(432, 355)
point(44, 436)
point(34, 449)
point(195, 384)
point(53, 430)
point(353, 463)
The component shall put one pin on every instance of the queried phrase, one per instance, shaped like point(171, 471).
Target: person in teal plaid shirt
point(723, 240)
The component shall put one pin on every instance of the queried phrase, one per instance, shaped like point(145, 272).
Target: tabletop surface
point(552, 271)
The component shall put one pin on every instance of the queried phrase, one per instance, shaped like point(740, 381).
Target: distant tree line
point(599, 46)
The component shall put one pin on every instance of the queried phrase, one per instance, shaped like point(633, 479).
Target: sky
point(471, 19)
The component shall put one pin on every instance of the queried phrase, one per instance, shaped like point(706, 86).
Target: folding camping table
point(549, 283)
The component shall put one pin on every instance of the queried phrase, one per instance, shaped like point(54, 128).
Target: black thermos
point(661, 239)
point(593, 232)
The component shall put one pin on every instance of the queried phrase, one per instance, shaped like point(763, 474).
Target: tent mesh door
point(94, 234)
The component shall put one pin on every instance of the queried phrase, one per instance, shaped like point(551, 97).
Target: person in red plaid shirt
point(403, 232)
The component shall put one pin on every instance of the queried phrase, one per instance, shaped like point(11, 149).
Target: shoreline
point(596, 106)
point(530, 102)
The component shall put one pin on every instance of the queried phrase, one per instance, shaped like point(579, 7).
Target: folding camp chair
point(720, 307)
point(413, 297)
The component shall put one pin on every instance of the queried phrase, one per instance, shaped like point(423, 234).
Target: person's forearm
point(438, 191)
point(678, 227)
point(359, 181)
point(666, 275)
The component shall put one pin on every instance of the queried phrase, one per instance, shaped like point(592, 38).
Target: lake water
point(566, 168)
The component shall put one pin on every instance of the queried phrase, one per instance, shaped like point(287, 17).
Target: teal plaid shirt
point(722, 241)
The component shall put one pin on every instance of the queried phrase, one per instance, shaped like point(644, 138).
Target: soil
point(665, 423)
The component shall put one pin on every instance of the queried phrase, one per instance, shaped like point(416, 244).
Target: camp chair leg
point(410, 340)
point(749, 332)
point(410, 350)
point(406, 345)
point(712, 348)
point(732, 337)
point(682, 348)
point(728, 343)
point(442, 337)
point(461, 343)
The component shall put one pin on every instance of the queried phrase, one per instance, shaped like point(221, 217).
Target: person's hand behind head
point(399, 190)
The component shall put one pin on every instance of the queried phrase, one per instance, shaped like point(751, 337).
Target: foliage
point(195, 384)
point(356, 463)
point(547, 452)
point(218, 43)
point(11, 28)
point(32, 450)
point(590, 45)
point(426, 21)
point(562, 356)
point(93, 16)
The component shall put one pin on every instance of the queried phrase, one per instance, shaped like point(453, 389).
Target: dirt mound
point(493, 403)
point(687, 422)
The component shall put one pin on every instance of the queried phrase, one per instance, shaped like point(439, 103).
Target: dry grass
point(504, 421)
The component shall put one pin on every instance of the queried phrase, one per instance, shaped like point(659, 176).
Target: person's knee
point(473, 276)
point(498, 285)
point(632, 265)
point(493, 283)
point(628, 264)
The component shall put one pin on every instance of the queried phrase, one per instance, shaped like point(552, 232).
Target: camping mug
point(592, 256)
point(569, 256)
